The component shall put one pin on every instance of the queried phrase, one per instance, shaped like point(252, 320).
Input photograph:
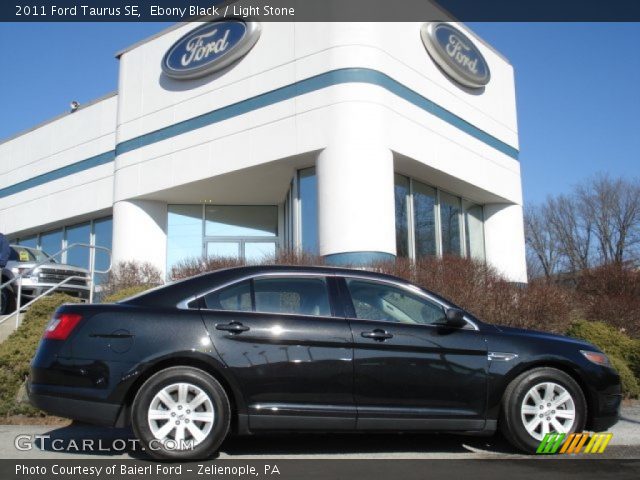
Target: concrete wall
point(88, 133)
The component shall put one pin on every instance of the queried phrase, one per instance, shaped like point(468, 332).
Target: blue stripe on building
point(80, 166)
point(312, 84)
point(308, 85)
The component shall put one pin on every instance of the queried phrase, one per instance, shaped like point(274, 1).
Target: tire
point(520, 419)
point(156, 420)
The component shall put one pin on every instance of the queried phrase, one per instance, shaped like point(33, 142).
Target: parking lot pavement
point(67, 443)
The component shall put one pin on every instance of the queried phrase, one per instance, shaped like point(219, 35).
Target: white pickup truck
point(38, 280)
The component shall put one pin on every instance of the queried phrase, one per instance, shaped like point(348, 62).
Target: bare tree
point(597, 223)
point(542, 251)
point(571, 230)
point(613, 207)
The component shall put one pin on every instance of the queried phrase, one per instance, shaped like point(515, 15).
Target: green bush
point(126, 293)
point(622, 350)
point(18, 349)
point(610, 340)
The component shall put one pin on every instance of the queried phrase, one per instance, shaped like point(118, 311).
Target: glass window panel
point(51, 243)
point(31, 242)
point(235, 298)
point(78, 256)
point(308, 191)
point(241, 221)
point(255, 252)
point(474, 228)
point(223, 249)
point(402, 223)
point(184, 233)
point(302, 296)
point(383, 302)
point(450, 223)
point(424, 203)
point(103, 233)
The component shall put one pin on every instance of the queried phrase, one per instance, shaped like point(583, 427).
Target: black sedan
point(276, 348)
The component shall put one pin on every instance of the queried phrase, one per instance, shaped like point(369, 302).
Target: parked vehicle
point(40, 278)
point(277, 348)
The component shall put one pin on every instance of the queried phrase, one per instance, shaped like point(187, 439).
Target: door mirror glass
point(455, 317)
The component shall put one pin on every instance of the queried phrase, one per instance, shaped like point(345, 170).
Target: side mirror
point(455, 317)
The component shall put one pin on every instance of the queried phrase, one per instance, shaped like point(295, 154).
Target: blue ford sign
point(210, 47)
point(456, 54)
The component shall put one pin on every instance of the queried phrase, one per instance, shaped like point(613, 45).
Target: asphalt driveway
point(67, 443)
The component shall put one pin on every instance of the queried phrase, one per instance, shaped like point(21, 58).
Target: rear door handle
point(233, 327)
point(377, 334)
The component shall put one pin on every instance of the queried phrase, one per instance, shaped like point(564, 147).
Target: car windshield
point(24, 254)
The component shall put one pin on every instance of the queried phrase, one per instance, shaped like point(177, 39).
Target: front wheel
point(538, 402)
point(181, 413)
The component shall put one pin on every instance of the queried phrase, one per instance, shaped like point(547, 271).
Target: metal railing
point(51, 258)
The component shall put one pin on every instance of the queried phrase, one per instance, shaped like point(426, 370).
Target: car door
point(411, 371)
point(291, 357)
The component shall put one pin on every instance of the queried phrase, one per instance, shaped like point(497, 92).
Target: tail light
point(61, 326)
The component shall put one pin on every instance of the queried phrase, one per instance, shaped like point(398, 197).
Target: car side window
point(384, 302)
point(293, 295)
point(234, 298)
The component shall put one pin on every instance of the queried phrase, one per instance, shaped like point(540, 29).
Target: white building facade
point(354, 141)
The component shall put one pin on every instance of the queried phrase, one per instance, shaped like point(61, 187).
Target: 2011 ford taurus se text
point(277, 348)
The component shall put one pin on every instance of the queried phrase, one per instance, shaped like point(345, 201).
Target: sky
point(577, 88)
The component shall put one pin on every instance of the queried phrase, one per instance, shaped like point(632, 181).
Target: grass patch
point(17, 351)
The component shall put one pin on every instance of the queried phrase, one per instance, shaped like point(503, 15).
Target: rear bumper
point(90, 411)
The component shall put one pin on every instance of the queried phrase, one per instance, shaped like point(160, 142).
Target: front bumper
point(608, 412)
point(90, 411)
point(29, 292)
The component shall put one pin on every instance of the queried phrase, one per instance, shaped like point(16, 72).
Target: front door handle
point(377, 334)
point(233, 327)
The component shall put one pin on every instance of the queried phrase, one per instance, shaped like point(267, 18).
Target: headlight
point(596, 357)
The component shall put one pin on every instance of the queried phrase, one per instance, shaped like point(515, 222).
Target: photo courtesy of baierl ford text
point(301, 240)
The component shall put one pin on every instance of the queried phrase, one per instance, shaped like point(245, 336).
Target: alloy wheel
point(181, 412)
point(547, 407)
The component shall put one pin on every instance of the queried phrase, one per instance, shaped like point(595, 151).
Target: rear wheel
point(541, 401)
point(181, 413)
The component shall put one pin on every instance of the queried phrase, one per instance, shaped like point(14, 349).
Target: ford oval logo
point(209, 48)
point(456, 54)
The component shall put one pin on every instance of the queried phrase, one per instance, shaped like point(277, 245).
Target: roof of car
point(173, 293)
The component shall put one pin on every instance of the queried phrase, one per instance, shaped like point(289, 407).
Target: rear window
point(301, 296)
point(288, 295)
point(235, 298)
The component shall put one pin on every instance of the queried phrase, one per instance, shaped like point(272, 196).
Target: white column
point(504, 240)
point(356, 213)
point(140, 232)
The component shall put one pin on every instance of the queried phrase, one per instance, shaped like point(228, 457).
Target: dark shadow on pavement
point(79, 438)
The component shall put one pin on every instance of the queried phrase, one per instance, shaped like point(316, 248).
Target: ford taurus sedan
point(275, 348)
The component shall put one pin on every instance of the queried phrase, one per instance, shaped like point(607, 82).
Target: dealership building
point(355, 141)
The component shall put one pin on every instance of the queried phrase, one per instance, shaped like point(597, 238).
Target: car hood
point(46, 266)
point(525, 333)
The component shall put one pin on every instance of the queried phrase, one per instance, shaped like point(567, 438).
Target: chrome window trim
point(404, 286)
